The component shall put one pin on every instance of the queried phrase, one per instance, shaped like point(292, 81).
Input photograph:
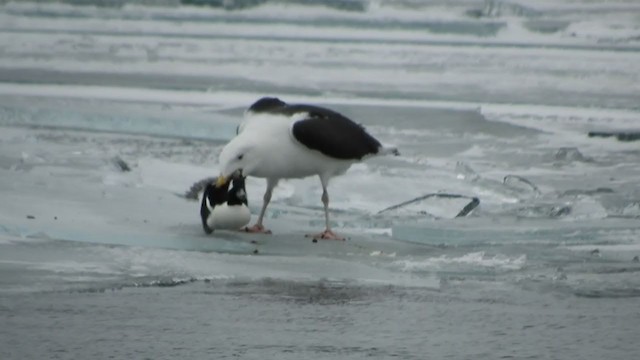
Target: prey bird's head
point(238, 193)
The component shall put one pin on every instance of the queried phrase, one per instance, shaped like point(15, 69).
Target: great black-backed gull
point(282, 141)
point(222, 208)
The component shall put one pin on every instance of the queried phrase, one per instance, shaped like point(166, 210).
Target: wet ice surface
point(493, 101)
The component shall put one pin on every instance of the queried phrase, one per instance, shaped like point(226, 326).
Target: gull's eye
point(240, 157)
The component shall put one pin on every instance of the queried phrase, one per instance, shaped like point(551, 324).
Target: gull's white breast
point(284, 156)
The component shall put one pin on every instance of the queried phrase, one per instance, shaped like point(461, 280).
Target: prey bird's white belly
point(229, 217)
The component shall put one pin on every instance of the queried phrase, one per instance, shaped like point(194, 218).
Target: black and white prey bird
point(222, 208)
point(277, 141)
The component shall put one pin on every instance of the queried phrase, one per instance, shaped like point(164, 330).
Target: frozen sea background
point(486, 99)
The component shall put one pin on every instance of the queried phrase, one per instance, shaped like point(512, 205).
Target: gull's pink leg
point(327, 234)
point(258, 228)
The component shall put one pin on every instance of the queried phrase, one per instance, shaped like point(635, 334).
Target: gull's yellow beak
point(221, 181)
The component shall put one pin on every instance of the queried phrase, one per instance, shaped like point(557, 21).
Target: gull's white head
point(239, 156)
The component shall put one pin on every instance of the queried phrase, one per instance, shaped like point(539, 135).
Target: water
point(485, 99)
point(275, 319)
